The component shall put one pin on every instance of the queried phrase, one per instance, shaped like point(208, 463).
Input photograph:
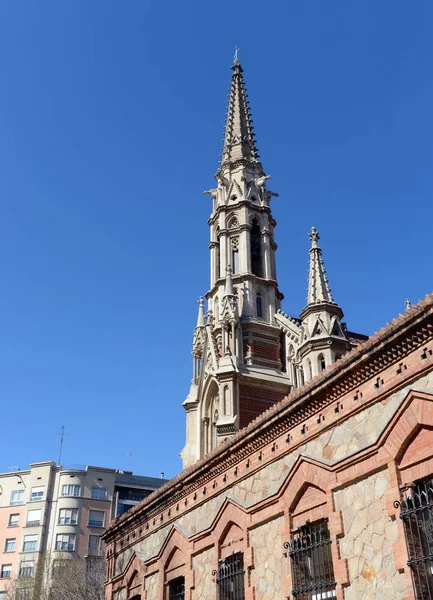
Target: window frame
point(174, 593)
point(10, 540)
point(40, 493)
point(71, 485)
point(62, 542)
point(17, 502)
point(95, 522)
point(2, 569)
point(27, 572)
point(17, 524)
point(27, 541)
point(72, 510)
point(311, 563)
point(94, 493)
point(416, 513)
point(231, 573)
point(34, 522)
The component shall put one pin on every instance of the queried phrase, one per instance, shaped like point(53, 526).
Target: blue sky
point(111, 117)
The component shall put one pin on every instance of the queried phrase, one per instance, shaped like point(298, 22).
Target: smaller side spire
point(318, 285)
point(200, 317)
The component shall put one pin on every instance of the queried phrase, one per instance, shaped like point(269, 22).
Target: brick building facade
point(328, 492)
point(343, 451)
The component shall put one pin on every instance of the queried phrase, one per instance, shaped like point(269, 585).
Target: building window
point(256, 249)
point(417, 516)
point(259, 307)
point(10, 545)
point(176, 589)
point(96, 518)
point(37, 493)
point(99, 493)
point(33, 518)
point(27, 569)
point(30, 543)
point(321, 362)
point(235, 255)
point(14, 520)
point(17, 497)
point(230, 579)
point(71, 490)
point(65, 542)
point(6, 571)
point(94, 548)
point(311, 560)
point(68, 516)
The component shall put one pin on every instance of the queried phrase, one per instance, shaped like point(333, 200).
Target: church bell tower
point(236, 349)
point(247, 353)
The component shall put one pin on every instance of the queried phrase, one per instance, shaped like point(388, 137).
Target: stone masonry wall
point(150, 585)
point(269, 568)
point(367, 543)
point(352, 435)
point(204, 584)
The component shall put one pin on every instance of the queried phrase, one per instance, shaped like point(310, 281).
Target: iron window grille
point(230, 578)
point(416, 512)
point(311, 561)
point(177, 589)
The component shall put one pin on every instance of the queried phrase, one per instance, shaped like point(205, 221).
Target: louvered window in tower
point(417, 516)
point(230, 578)
point(259, 307)
point(235, 255)
point(256, 249)
point(311, 560)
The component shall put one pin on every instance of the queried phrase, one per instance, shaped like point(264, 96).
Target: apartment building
point(61, 510)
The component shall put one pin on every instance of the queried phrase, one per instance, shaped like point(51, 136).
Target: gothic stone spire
point(239, 139)
point(318, 285)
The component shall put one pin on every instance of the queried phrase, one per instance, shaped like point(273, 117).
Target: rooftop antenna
point(62, 437)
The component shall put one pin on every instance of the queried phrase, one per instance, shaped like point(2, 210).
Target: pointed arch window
point(321, 363)
point(259, 306)
point(218, 254)
point(256, 248)
point(235, 255)
point(309, 370)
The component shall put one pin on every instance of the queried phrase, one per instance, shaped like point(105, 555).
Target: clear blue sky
point(111, 117)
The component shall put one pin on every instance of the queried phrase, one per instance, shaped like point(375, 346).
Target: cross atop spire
point(239, 139)
point(318, 285)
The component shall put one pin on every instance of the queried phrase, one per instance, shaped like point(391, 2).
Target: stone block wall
point(367, 544)
point(345, 461)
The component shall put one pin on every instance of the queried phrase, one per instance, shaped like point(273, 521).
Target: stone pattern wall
point(150, 584)
point(367, 543)
point(352, 435)
point(204, 584)
point(270, 565)
point(120, 594)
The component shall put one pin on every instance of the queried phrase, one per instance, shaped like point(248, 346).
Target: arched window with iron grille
point(230, 578)
point(416, 512)
point(311, 562)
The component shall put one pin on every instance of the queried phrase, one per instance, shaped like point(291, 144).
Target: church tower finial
point(200, 318)
point(229, 282)
point(318, 285)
